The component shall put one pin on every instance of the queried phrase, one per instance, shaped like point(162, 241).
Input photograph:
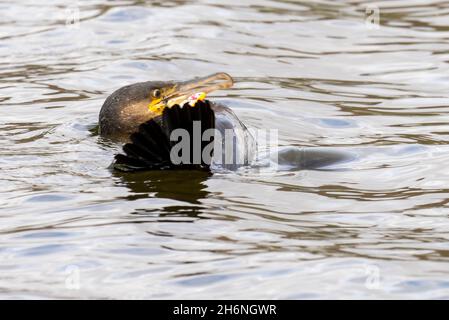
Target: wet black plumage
point(150, 146)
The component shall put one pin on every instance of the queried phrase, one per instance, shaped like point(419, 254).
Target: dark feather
point(150, 146)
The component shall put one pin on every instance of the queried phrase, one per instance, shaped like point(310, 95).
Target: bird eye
point(156, 93)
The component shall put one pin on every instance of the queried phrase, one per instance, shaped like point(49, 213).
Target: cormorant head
point(128, 107)
point(168, 94)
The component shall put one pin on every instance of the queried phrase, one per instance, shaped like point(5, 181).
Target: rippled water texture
point(318, 71)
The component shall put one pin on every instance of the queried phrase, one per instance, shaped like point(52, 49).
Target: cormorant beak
point(190, 91)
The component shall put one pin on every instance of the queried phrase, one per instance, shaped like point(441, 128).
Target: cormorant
point(145, 115)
